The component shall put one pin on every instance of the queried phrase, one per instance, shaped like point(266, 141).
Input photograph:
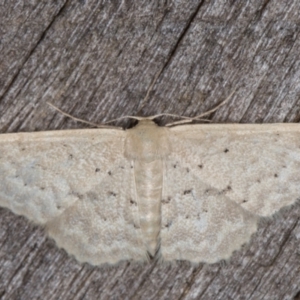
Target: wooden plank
point(96, 60)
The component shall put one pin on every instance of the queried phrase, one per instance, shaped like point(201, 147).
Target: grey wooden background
point(96, 60)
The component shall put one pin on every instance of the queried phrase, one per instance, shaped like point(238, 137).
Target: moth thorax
point(147, 142)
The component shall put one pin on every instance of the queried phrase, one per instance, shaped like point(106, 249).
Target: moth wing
point(79, 186)
point(257, 166)
point(219, 180)
point(198, 223)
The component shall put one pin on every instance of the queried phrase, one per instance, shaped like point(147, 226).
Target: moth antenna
point(150, 89)
point(80, 120)
point(186, 122)
point(215, 108)
point(125, 117)
point(198, 118)
point(168, 115)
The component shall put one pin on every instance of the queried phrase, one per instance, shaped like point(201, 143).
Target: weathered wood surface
point(96, 60)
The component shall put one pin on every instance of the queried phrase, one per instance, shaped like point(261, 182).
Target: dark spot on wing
point(244, 201)
point(42, 188)
point(70, 156)
point(175, 165)
point(97, 170)
point(200, 166)
point(169, 224)
point(109, 173)
point(187, 170)
point(187, 192)
point(166, 201)
point(258, 181)
point(112, 194)
point(275, 175)
point(226, 150)
point(187, 216)
point(132, 202)
point(228, 188)
point(23, 149)
point(136, 226)
point(121, 167)
point(92, 196)
point(79, 196)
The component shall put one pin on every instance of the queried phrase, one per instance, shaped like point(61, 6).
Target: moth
point(188, 192)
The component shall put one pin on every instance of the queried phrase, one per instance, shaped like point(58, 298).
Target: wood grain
point(96, 61)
